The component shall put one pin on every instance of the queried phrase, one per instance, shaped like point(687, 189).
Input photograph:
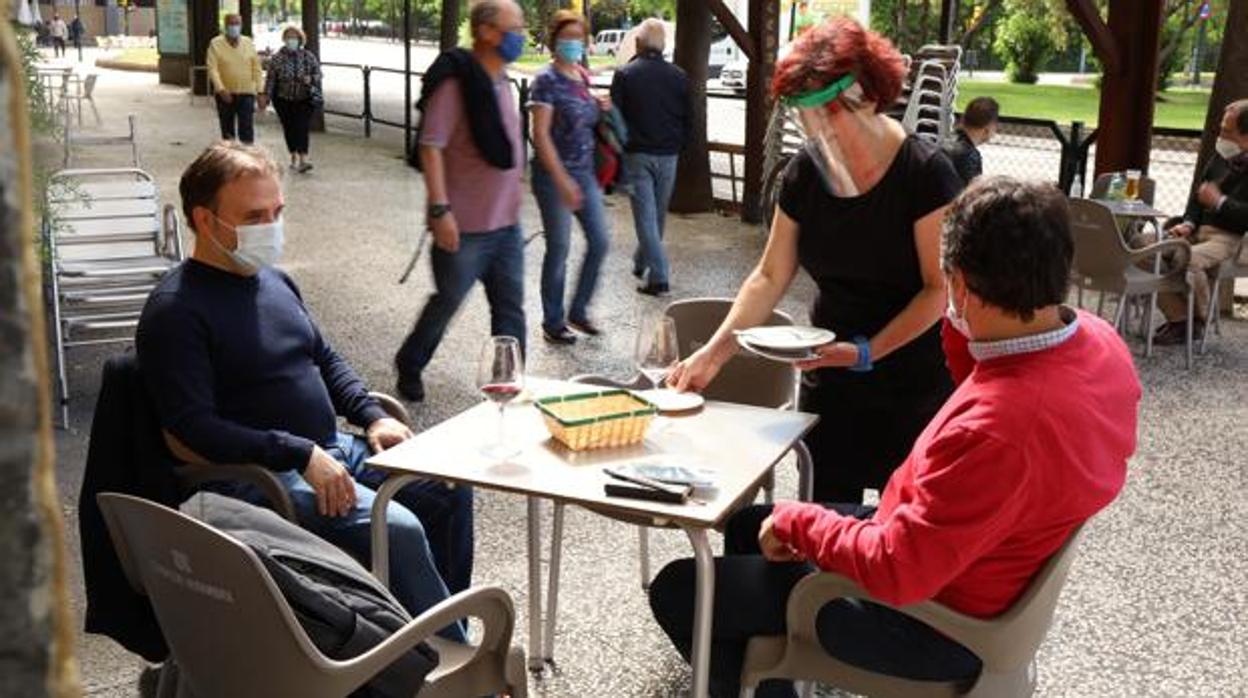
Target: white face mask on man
point(957, 319)
point(259, 244)
point(1227, 148)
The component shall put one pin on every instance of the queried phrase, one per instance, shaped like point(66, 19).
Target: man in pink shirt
point(1033, 442)
point(471, 153)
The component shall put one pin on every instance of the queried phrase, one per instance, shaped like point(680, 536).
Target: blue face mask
point(292, 44)
point(570, 50)
point(512, 46)
point(233, 30)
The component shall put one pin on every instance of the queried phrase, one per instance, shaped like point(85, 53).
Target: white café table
point(741, 443)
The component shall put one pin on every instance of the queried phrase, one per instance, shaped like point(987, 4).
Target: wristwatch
point(436, 211)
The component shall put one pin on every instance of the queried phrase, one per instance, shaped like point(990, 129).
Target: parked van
point(607, 43)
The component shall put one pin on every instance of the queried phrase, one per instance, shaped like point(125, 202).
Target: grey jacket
point(344, 609)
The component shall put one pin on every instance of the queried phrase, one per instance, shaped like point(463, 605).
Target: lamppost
point(79, 30)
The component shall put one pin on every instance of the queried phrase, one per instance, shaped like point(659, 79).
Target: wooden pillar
point(310, 14)
point(449, 35)
point(244, 11)
point(204, 26)
point(764, 22)
point(693, 44)
point(1125, 125)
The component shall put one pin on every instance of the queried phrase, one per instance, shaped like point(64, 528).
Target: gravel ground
point(1156, 603)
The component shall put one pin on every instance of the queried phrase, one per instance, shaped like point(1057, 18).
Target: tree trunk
point(693, 44)
point(449, 34)
point(980, 21)
point(36, 635)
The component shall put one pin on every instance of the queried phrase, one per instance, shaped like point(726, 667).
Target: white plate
point(670, 400)
point(787, 357)
point(787, 338)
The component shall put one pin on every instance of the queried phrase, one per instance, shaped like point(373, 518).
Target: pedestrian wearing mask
point(293, 84)
point(470, 150)
point(860, 210)
point(565, 115)
point(234, 71)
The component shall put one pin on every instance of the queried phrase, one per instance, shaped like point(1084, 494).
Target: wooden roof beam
point(1103, 43)
point(734, 28)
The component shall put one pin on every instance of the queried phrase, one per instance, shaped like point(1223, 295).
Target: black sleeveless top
point(860, 251)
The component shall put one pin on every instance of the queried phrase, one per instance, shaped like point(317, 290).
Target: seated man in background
point(1215, 221)
point(979, 125)
point(240, 373)
point(1033, 442)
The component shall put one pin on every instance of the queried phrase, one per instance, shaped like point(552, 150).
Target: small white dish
point(787, 357)
point(787, 338)
point(668, 400)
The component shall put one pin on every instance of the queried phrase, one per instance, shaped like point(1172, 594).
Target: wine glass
point(656, 350)
point(500, 376)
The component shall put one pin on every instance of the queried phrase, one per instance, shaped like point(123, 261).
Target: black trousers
point(240, 109)
point(751, 596)
point(296, 118)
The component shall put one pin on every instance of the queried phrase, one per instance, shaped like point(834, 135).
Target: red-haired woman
point(860, 210)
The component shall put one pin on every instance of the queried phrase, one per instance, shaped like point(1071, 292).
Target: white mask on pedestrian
point(1227, 148)
point(259, 245)
point(957, 319)
point(812, 111)
point(292, 44)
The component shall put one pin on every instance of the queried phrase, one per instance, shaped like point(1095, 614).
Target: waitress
point(860, 210)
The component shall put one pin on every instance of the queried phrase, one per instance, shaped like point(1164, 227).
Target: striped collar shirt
point(984, 351)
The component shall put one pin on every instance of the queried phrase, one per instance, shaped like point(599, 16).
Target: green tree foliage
point(1026, 42)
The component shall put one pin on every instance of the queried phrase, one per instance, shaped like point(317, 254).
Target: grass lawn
point(1182, 108)
point(137, 56)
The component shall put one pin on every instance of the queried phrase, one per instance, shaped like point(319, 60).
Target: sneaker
point(305, 167)
point(639, 273)
point(585, 327)
point(562, 336)
point(653, 289)
point(410, 388)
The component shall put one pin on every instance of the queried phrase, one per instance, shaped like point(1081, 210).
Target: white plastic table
point(741, 443)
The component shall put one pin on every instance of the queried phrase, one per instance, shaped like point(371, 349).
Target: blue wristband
point(864, 355)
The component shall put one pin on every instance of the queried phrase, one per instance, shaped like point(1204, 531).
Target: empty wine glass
point(656, 350)
point(500, 376)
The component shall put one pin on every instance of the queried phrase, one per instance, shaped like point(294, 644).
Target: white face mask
point(1227, 148)
point(258, 245)
point(292, 44)
point(957, 320)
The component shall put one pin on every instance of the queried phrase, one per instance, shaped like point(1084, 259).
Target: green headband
point(821, 96)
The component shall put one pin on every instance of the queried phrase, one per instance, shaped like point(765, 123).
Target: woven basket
point(600, 419)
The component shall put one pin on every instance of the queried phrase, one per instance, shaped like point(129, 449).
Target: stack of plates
point(785, 342)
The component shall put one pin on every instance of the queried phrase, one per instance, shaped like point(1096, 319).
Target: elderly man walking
point(234, 70)
point(470, 152)
point(653, 96)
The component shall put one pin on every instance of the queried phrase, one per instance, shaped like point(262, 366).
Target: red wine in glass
point(501, 393)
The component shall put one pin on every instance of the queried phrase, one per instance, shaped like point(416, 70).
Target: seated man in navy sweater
point(240, 373)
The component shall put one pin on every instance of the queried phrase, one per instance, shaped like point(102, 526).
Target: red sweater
point(1027, 448)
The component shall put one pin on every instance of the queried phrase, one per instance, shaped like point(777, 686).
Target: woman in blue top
point(564, 117)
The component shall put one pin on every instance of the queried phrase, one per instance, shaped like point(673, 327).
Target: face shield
point(814, 110)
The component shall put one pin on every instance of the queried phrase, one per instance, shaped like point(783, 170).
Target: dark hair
point(562, 19)
point(834, 48)
point(981, 112)
point(1011, 240)
point(217, 166)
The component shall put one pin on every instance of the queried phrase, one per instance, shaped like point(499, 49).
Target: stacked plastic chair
point(931, 91)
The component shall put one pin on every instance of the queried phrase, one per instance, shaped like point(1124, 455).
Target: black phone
point(670, 495)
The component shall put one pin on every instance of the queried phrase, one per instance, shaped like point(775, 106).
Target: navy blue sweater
point(653, 97)
point(239, 371)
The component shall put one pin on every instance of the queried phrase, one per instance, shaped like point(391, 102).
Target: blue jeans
point(241, 108)
point(430, 528)
point(496, 259)
point(651, 179)
point(751, 599)
point(557, 220)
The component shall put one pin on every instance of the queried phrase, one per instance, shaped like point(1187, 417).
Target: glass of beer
point(1132, 193)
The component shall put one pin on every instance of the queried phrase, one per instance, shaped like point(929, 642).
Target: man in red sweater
point(1033, 442)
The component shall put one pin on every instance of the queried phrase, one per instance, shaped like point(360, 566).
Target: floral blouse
point(287, 72)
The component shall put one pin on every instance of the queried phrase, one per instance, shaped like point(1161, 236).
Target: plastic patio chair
point(232, 633)
point(1104, 263)
point(1006, 644)
point(1234, 268)
point(196, 470)
point(745, 379)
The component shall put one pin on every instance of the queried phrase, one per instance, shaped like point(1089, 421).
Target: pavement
point(1156, 603)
